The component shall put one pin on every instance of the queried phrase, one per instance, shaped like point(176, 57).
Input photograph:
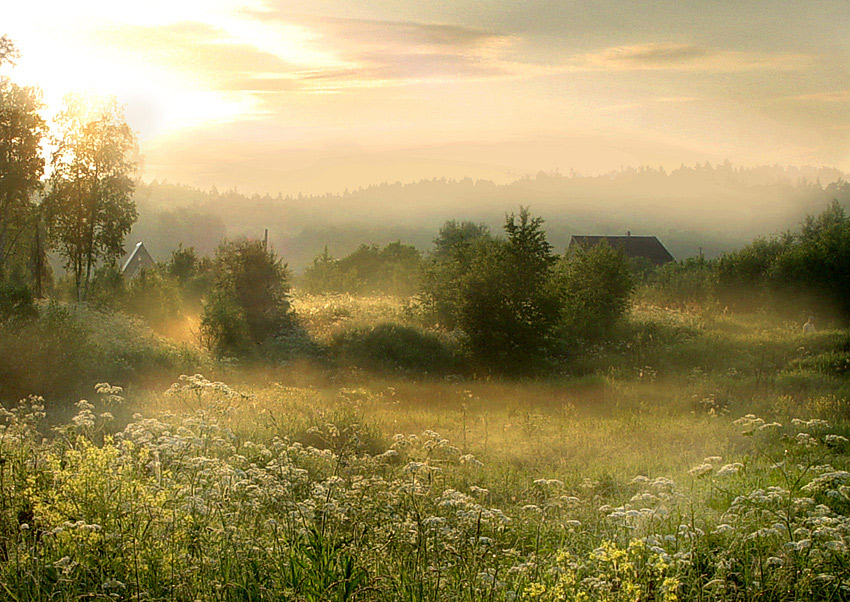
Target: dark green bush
point(249, 303)
point(803, 273)
point(593, 288)
point(497, 292)
point(16, 302)
point(394, 347)
point(395, 269)
point(683, 283)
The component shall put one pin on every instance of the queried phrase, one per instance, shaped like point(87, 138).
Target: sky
point(319, 96)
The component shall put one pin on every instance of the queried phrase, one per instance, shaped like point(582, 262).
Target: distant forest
point(705, 208)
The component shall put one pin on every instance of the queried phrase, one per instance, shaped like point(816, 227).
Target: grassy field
point(702, 457)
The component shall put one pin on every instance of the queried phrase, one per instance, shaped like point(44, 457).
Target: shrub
point(153, 295)
point(250, 300)
point(810, 268)
point(16, 302)
point(593, 287)
point(394, 269)
point(497, 293)
point(193, 273)
point(393, 347)
point(683, 283)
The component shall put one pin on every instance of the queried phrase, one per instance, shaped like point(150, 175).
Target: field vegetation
point(701, 456)
point(492, 420)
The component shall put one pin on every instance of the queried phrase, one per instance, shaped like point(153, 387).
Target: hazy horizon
point(269, 95)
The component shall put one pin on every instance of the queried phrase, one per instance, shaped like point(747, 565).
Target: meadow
point(703, 456)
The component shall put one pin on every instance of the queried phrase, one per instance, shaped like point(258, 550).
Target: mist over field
point(403, 301)
point(712, 208)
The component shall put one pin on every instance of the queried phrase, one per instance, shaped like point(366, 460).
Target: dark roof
point(648, 247)
point(138, 259)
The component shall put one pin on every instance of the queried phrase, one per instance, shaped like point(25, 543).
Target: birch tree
point(90, 203)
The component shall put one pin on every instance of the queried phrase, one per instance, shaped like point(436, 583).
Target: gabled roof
point(138, 259)
point(647, 247)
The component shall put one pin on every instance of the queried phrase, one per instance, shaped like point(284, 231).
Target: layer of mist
point(704, 208)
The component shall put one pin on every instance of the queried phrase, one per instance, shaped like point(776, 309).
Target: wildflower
point(836, 545)
point(471, 461)
point(700, 470)
point(730, 469)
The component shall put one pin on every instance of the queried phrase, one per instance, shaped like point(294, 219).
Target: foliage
point(193, 273)
point(250, 302)
point(811, 266)
point(16, 302)
point(498, 292)
point(594, 288)
point(454, 238)
point(62, 350)
point(89, 206)
point(393, 269)
point(8, 50)
point(686, 283)
point(455, 249)
point(21, 168)
point(389, 346)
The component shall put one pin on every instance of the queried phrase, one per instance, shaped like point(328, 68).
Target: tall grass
point(701, 457)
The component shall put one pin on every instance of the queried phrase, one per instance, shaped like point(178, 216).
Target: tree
point(496, 292)
point(21, 165)
point(453, 238)
point(249, 303)
point(8, 51)
point(90, 202)
point(455, 248)
point(593, 288)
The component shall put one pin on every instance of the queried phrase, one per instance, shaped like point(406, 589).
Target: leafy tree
point(454, 239)
point(249, 303)
point(593, 288)
point(393, 269)
point(455, 248)
point(815, 268)
point(496, 292)
point(742, 276)
point(90, 205)
point(797, 271)
point(21, 167)
point(193, 273)
point(8, 51)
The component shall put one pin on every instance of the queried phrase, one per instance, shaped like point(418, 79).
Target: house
point(138, 260)
point(634, 247)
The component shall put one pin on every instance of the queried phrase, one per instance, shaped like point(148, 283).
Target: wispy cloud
point(686, 57)
point(840, 96)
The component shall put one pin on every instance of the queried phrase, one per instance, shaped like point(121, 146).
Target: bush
point(64, 351)
point(804, 271)
point(249, 303)
point(594, 288)
point(16, 302)
point(193, 273)
point(497, 293)
point(395, 269)
point(683, 283)
point(394, 347)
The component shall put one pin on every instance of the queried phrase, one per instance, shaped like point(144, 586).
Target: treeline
point(799, 273)
point(713, 208)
